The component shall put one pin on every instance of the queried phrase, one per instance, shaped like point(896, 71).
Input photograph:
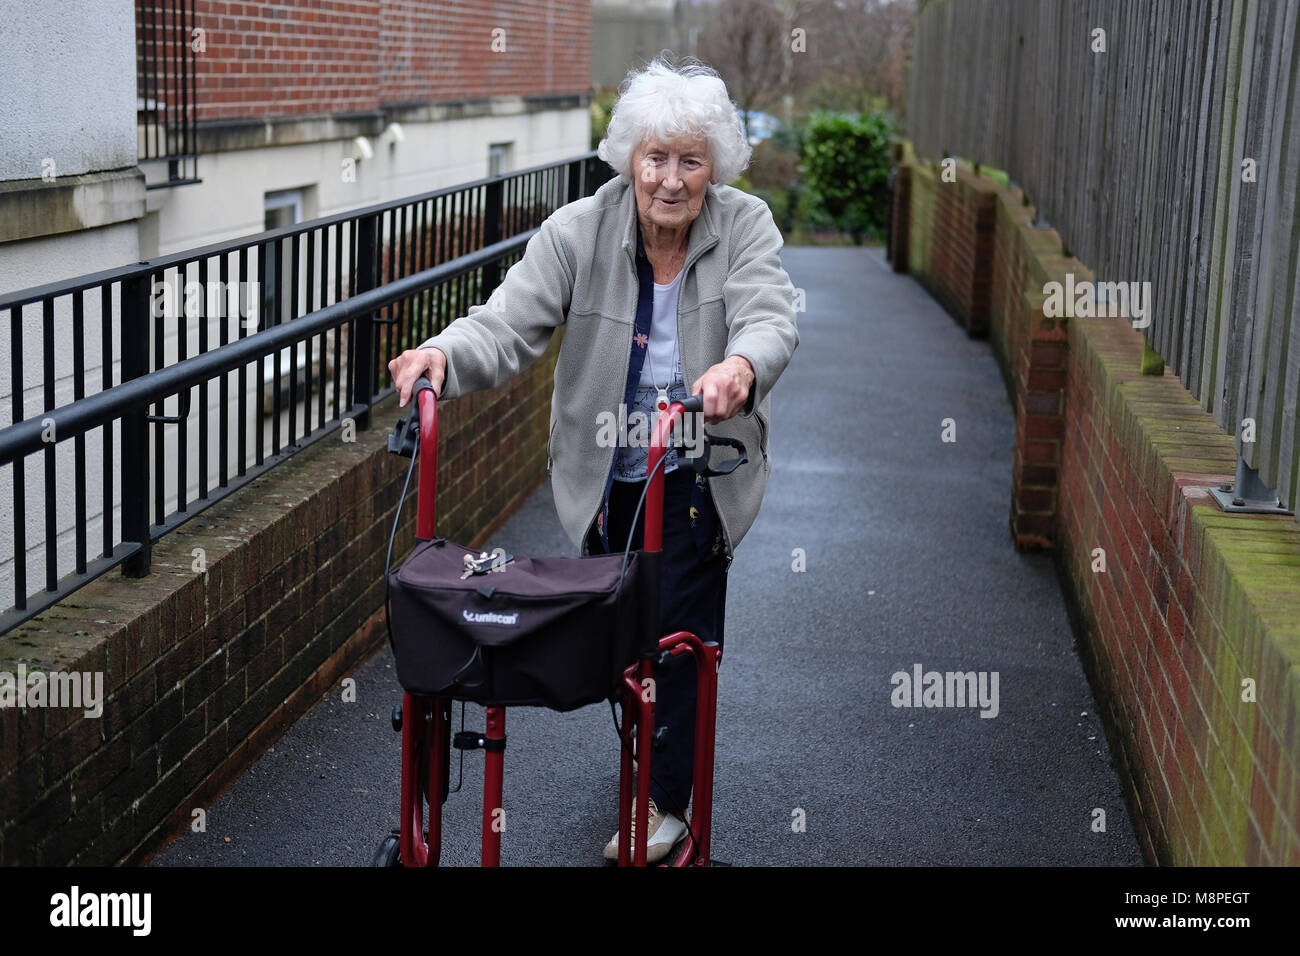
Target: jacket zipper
point(690, 261)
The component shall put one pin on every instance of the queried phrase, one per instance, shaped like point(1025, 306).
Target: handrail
point(158, 264)
point(80, 416)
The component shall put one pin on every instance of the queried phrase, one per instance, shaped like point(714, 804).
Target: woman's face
point(671, 180)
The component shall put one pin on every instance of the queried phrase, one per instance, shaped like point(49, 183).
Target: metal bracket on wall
point(1248, 495)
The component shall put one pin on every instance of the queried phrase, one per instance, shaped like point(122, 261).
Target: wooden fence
point(1161, 138)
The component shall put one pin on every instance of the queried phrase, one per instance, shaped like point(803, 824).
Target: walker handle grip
point(421, 383)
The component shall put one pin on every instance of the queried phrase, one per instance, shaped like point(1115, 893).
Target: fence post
point(493, 226)
point(575, 180)
point(363, 364)
point(136, 299)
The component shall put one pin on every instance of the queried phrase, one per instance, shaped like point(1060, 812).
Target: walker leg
point(645, 726)
point(411, 846)
point(707, 659)
point(438, 757)
point(696, 852)
point(630, 706)
point(493, 813)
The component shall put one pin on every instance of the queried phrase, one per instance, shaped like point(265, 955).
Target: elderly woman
point(669, 283)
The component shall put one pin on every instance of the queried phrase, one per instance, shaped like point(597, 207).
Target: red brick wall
point(961, 253)
point(443, 51)
point(312, 57)
point(1033, 348)
point(1192, 602)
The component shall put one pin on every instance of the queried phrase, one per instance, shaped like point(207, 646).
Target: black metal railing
point(167, 36)
point(257, 368)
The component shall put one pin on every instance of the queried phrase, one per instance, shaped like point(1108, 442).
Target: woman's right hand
point(430, 362)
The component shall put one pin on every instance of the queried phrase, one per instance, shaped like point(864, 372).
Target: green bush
point(602, 108)
point(846, 163)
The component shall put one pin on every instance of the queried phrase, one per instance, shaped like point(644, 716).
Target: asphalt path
point(908, 561)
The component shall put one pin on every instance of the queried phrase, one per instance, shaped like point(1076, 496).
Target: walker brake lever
point(701, 464)
point(406, 435)
point(405, 438)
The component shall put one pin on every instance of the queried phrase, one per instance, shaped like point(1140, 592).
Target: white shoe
point(666, 831)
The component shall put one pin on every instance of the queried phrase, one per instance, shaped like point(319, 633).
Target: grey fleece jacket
point(579, 271)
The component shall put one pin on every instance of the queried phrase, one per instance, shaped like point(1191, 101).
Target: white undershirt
point(662, 368)
point(658, 369)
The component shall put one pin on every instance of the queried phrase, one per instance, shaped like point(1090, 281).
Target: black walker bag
point(551, 632)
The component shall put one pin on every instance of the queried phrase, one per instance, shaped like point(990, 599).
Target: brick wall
point(295, 58)
point(1190, 628)
point(1033, 349)
point(915, 227)
point(963, 256)
point(444, 51)
point(955, 262)
point(204, 670)
point(1192, 602)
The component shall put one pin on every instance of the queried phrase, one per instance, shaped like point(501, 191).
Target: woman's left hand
point(725, 388)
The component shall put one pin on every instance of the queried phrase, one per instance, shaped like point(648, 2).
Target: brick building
point(140, 128)
point(277, 111)
point(307, 109)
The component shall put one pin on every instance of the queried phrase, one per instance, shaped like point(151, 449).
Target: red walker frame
point(431, 717)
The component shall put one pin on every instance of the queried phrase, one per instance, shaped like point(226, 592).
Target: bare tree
point(794, 47)
point(836, 54)
point(858, 52)
point(745, 44)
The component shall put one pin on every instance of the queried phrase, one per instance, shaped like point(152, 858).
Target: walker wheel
point(388, 853)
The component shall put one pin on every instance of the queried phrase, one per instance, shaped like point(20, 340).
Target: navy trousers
point(693, 598)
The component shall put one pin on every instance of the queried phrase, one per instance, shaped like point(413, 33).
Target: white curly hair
point(670, 102)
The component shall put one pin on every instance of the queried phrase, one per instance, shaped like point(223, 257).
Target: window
point(282, 208)
point(500, 158)
point(167, 34)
